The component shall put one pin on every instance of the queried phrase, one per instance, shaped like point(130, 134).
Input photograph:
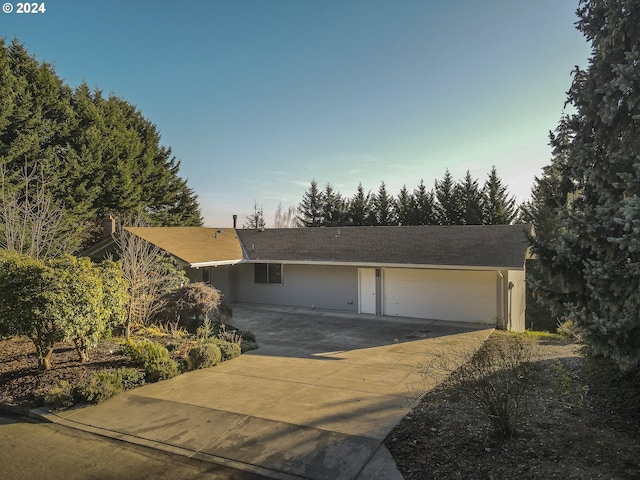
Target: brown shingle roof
point(495, 246)
point(197, 246)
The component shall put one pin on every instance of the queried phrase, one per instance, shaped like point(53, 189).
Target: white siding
point(468, 296)
point(320, 286)
point(517, 301)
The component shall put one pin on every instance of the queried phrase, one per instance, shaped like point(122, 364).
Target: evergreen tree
point(448, 210)
point(333, 207)
point(97, 155)
point(383, 206)
point(500, 207)
point(424, 211)
point(359, 208)
point(404, 207)
point(310, 209)
point(470, 201)
point(591, 259)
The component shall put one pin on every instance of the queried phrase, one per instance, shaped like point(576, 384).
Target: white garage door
point(440, 294)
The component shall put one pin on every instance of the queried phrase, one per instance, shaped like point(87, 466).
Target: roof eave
point(389, 265)
point(215, 263)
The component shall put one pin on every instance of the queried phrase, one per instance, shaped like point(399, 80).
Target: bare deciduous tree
point(149, 272)
point(256, 219)
point(31, 222)
point(285, 219)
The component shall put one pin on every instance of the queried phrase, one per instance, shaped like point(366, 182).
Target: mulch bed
point(567, 430)
point(21, 382)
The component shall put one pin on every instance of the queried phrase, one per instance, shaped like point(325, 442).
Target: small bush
point(496, 377)
point(59, 396)
point(248, 335)
point(568, 329)
point(100, 386)
point(161, 370)
point(248, 345)
point(229, 350)
point(231, 335)
point(204, 355)
point(131, 377)
point(155, 359)
point(146, 352)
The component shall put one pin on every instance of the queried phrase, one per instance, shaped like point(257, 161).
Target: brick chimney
point(108, 226)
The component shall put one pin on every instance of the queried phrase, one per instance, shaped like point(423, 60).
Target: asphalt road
point(48, 451)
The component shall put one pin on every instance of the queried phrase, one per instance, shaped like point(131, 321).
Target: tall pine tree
point(404, 207)
point(499, 207)
point(424, 203)
point(310, 208)
point(470, 201)
point(591, 260)
point(383, 207)
point(447, 208)
point(359, 209)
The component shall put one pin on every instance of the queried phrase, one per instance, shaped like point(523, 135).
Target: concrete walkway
point(315, 401)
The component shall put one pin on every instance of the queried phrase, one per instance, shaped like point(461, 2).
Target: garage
point(468, 296)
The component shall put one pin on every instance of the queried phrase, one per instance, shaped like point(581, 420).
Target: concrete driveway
point(315, 401)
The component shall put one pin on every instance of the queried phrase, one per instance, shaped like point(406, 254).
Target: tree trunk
point(44, 359)
point(127, 329)
point(81, 348)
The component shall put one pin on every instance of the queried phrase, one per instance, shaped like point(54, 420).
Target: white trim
point(215, 263)
point(386, 265)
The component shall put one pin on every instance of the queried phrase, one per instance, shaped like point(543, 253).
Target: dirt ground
point(570, 428)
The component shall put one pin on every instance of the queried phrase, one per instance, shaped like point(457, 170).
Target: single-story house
point(472, 273)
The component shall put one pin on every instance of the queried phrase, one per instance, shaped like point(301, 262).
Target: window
point(270, 273)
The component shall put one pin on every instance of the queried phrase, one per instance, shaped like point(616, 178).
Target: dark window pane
point(275, 273)
point(260, 272)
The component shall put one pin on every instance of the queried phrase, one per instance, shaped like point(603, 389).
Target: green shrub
point(229, 350)
point(161, 370)
point(59, 396)
point(204, 355)
point(145, 352)
point(100, 386)
point(155, 359)
point(249, 336)
point(131, 377)
point(248, 345)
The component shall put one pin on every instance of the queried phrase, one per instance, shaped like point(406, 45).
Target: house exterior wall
point(194, 274)
point(319, 286)
point(457, 295)
point(517, 300)
point(219, 278)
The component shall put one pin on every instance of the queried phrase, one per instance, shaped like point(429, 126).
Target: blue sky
point(258, 97)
